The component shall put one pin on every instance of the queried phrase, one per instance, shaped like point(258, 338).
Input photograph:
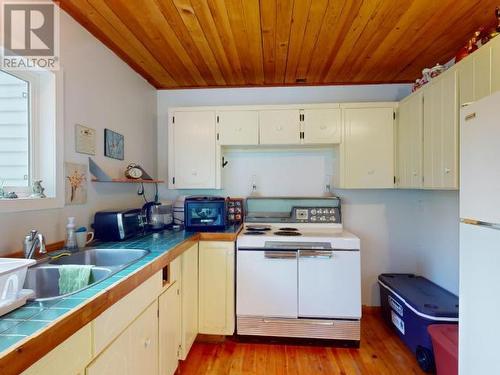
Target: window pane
point(14, 131)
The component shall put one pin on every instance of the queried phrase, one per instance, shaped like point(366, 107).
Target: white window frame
point(33, 144)
point(53, 154)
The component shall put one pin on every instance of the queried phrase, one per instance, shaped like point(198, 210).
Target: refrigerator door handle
point(481, 223)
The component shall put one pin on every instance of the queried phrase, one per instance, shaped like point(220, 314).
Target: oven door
point(329, 284)
point(266, 283)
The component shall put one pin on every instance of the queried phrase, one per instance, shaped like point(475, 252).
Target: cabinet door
point(279, 127)
point(495, 65)
point(238, 128)
point(216, 288)
point(466, 71)
point(368, 148)
point(410, 128)
point(135, 351)
point(482, 72)
point(441, 134)
point(194, 144)
point(322, 126)
point(69, 358)
point(169, 329)
point(189, 299)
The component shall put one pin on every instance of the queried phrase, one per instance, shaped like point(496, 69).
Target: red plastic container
point(445, 345)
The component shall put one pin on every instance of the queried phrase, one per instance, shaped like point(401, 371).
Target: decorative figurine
point(470, 47)
point(496, 31)
point(38, 190)
point(11, 195)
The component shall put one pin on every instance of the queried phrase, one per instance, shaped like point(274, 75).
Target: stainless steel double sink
point(43, 278)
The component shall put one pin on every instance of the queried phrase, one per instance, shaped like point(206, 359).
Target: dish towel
point(73, 277)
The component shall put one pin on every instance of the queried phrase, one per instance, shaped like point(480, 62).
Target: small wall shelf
point(129, 181)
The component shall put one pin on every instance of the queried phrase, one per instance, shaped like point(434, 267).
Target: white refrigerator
point(479, 331)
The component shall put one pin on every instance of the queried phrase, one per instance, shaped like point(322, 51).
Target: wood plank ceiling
point(224, 43)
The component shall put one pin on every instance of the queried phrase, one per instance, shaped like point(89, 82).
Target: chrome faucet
point(30, 244)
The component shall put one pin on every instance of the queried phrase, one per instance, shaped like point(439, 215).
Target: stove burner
point(287, 233)
point(253, 233)
point(258, 228)
point(289, 229)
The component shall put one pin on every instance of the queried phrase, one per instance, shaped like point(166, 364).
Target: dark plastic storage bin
point(445, 344)
point(411, 303)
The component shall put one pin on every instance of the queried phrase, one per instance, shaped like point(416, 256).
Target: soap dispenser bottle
point(70, 235)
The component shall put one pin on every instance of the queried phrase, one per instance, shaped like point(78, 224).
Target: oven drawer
point(266, 283)
point(329, 284)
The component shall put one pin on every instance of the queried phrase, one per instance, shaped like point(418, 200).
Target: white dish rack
point(12, 276)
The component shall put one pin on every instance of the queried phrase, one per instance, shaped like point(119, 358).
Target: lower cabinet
point(189, 299)
point(169, 308)
point(77, 347)
point(216, 288)
point(135, 351)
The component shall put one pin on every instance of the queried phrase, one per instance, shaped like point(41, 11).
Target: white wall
point(100, 91)
point(400, 230)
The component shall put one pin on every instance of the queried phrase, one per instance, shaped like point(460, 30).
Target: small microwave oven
point(204, 213)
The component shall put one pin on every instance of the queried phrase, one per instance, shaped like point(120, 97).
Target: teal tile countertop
point(27, 320)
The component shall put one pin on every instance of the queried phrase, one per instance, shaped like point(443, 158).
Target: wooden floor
point(380, 353)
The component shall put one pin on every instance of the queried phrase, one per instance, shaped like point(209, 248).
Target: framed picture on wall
point(114, 145)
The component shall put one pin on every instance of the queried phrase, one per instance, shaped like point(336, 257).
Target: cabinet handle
point(470, 116)
point(280, 255)
point(323, 254)
point(239, 129)
point(371, 172)
point(447, 170)
point(279, 128)
point(322, 127)
point(147, 343)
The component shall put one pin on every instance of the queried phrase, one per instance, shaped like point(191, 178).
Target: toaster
point(118, 225)
point(204, 213)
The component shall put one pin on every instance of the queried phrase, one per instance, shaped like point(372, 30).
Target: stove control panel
point(316, 215)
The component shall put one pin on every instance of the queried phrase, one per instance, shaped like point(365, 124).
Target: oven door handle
point(318, 254)
point(280, 254)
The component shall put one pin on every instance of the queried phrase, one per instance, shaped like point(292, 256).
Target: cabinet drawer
point(69, 358)
point(107, 326)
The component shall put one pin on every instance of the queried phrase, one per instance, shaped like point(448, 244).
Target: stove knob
point(320, 211)
point(313, 218)
point(322, 218)
point(332, 211)
point(313, 212)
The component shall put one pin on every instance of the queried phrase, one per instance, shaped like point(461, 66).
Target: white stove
point(267, 235)
point(298, 271)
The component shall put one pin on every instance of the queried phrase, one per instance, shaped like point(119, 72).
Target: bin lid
point(421, 294)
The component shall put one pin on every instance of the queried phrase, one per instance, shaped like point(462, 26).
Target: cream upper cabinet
point(410, 146)
point(322, 126)
point(479, 73)
point(193, 155)
point(189, 299)
point(440, 161)
point(279, 127)
point(135, 351)
point(216, 288)
point(169, 308)
point(482, 72)
point(367, 148)
point(495, 64)
point(466, 79)
point(238, 127)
